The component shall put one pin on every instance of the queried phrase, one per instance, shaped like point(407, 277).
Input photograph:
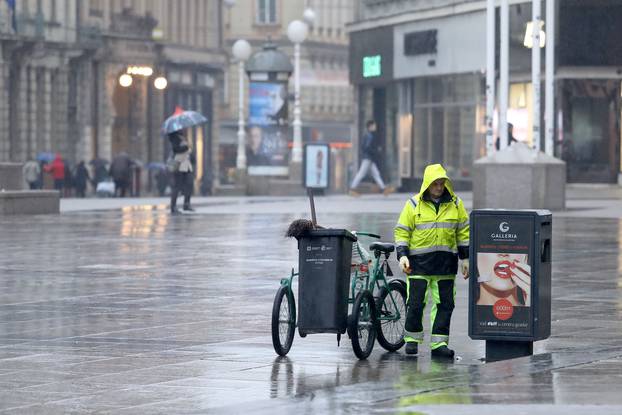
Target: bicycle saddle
point(382, 247)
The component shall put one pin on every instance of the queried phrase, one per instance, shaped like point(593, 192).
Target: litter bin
point(510, 284)
point(324, 260)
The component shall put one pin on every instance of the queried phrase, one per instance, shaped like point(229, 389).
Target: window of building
point(96, 8)
point(266, 11)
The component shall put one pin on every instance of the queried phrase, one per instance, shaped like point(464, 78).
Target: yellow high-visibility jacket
point(433, 235)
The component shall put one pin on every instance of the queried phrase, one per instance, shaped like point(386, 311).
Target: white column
point(535, 71)
point(504, 73)
point(241, 159)
point(549, 112)
point(297, 150)
point(490, 74)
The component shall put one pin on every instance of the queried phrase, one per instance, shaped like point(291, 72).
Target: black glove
point(401, 251)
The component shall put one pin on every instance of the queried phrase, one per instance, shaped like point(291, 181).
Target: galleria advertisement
point(503, 269)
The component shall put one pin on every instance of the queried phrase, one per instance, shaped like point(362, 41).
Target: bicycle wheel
point(389, 307)
point(362, 325)
point(283, 320)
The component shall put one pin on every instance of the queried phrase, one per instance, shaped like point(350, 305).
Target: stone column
point(47, 110)
point(31, 107)
point(59, 111)
point(4, 110)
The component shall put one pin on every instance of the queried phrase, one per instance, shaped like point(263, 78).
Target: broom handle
point(312, 203)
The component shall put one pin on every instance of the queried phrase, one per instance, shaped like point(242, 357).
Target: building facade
point(418, 67)
point(326, 96)
point(61, 66)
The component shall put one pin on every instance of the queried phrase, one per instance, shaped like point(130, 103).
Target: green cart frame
point(378, 305)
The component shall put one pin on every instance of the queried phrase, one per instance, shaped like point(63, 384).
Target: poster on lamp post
point(268, 138)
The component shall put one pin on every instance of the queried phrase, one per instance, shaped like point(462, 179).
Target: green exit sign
point(372, 66)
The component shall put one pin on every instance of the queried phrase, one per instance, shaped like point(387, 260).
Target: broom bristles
point(298, 227)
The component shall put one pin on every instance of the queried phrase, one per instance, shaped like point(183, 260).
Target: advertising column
point(267, 152)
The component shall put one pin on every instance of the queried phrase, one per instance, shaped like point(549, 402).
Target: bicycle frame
point(287, 282)
point(374, 278)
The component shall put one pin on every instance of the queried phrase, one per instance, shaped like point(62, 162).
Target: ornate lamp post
point(297, 33)
point(241, 52)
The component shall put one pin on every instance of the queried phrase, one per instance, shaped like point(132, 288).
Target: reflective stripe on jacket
point(433, 239)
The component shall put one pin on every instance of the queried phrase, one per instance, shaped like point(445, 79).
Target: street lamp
point(160, 83)
point(297, 33)
point(125, 80)
point(308, 16)
point(241, 52)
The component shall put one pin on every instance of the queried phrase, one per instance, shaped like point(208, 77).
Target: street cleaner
point(431, 234)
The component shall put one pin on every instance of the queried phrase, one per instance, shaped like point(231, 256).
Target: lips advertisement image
point(502, 293)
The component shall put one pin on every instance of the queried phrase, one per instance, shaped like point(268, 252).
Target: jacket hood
point(434, 172)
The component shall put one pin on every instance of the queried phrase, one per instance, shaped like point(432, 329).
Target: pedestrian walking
point(511, 138)
point(32, 174)
point(432, 232)
point(81, 178)
point(120, 171)
point(57, 169)
point(370, 146)
point(182, 171)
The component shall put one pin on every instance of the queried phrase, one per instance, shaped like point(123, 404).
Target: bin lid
point(329, 233)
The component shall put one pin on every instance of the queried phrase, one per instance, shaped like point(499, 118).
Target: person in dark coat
point(81, 178)
point(511, 138)
point(182, 174)
point(120, 171)
point(370, 156)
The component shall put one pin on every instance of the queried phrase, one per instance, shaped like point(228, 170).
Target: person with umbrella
point(182, 168)
point(57, 169)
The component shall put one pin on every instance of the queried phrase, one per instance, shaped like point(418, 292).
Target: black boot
point(412, 348)
point(443, 352)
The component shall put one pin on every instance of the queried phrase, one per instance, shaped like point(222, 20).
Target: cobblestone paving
point(133, 311)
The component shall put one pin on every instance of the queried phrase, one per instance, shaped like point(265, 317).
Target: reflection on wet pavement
point(133, 311)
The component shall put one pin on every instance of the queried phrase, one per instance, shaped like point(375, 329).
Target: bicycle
point(378, 305)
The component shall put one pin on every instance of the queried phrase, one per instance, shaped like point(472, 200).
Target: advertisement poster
point(267, 150)
point(502, 292)
point(316, 164)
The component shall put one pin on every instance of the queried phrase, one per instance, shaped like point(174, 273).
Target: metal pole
point(241, 159)
point(535, 71)
point(297, 150)
point(490, 74)
point(549, 111)
point(504, 73)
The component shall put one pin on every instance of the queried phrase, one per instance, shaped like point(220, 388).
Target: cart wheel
point(362, 325)
point(388, 307)
point(283, 320)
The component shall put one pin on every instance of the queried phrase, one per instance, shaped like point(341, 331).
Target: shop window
point(445, 123)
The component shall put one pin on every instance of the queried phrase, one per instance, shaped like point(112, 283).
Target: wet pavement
point(126, 311)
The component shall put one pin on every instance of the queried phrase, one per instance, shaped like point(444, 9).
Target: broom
point(298, 227)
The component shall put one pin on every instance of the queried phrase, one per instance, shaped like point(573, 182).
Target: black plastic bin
point(324, 261)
